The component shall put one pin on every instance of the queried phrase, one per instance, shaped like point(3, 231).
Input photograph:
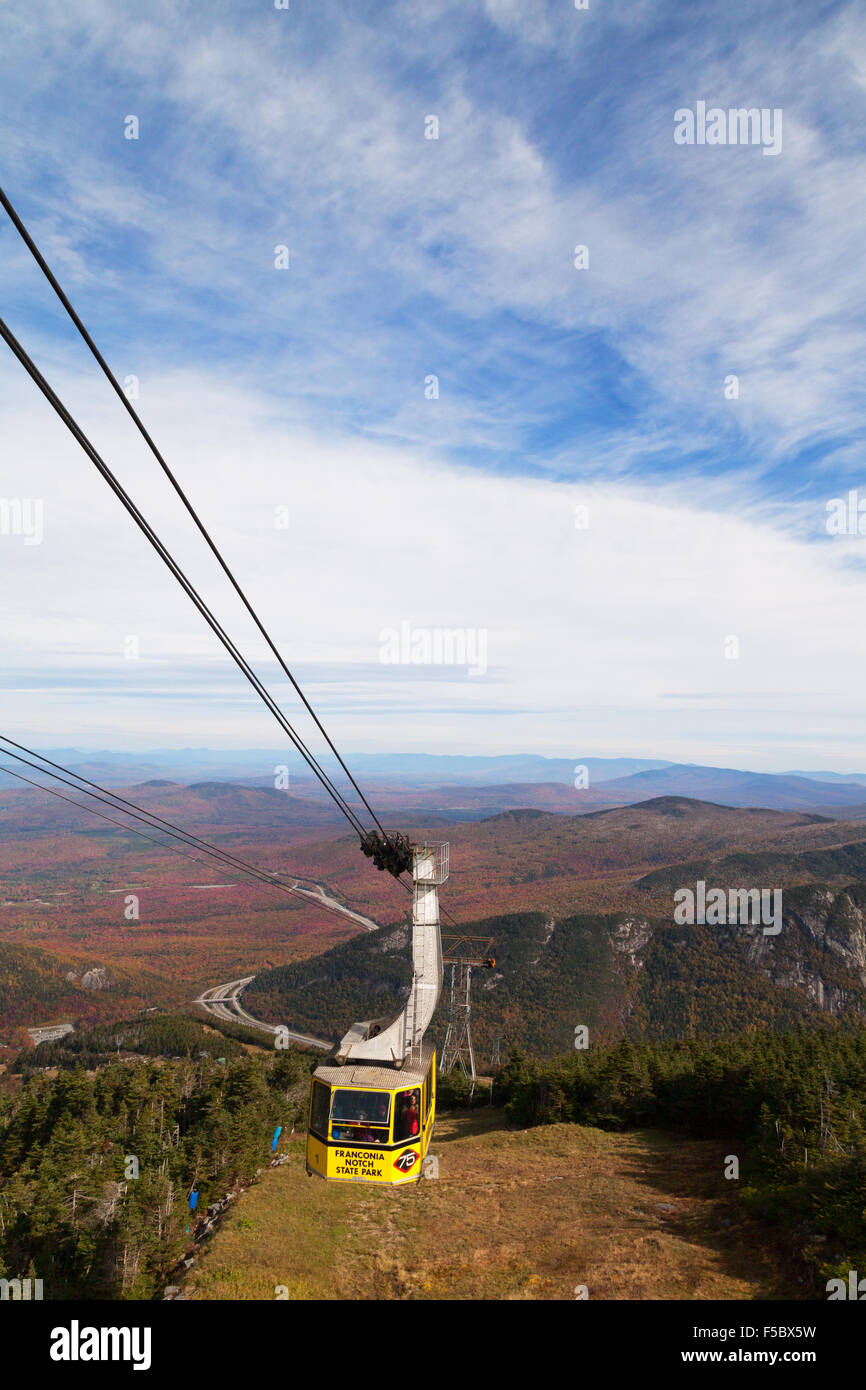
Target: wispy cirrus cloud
point(308, 128)
point(594, 600)
point(453, 257)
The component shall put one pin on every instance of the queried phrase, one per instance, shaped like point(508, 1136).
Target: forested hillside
point(162, 1035)
point(38, 987)
point(789, 1107)
point(620, 975)
point(76, 1213)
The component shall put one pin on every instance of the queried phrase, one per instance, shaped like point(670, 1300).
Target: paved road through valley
point(224, 1002)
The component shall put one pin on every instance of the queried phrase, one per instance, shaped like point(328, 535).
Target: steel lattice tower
point(457, 1049)
point(463, 954)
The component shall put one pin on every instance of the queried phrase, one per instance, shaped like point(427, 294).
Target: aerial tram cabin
point(370, 1123)
point(373, 1110)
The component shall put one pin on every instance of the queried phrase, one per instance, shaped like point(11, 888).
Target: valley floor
point(529, 1214)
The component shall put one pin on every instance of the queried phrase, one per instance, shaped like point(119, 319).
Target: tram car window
point(407, 1117)
point(361, 1107)
point(360, 1117)
point(319, 1107)
point(429, 1085)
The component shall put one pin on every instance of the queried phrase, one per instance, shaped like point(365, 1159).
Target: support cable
point(132, 412)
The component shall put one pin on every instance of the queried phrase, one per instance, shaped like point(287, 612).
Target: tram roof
point(367, 1075)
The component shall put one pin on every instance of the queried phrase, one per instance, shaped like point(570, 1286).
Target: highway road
point(224, 1002)
point(318, 894)
point(323, 899)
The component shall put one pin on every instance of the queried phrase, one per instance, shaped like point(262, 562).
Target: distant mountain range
point(579, 905)
point(733, 787)
point(468, 787)
point(408, 769)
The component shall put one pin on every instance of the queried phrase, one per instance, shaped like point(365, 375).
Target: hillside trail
point(514, 1214)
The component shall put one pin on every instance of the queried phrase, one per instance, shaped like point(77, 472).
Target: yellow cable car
point(372, 1114)
point(372, 1124)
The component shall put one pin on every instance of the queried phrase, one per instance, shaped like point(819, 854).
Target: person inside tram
point(407, 1123)
point(366, 1134)
point(413, 1114)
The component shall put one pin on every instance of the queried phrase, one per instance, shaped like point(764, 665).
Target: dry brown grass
point(514, 1215)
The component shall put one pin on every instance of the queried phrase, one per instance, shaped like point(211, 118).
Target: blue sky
point(558, 387)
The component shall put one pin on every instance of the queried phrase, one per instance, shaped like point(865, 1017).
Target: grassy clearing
point(514, 1215)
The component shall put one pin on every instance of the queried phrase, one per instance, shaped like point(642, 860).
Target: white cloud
point(703, 261)
point(590, 632)
point(452, 256)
